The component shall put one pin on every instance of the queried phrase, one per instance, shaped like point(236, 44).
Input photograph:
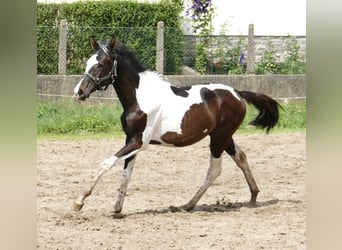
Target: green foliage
point(201, 60)
point(268, 62)
point(292, 117)
point(229, 56)
point(132, 22)
point(293, 64)
point(201, 13)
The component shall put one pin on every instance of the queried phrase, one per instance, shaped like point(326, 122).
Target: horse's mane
point(129, 57)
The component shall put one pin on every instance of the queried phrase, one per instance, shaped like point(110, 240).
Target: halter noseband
point(112, 74)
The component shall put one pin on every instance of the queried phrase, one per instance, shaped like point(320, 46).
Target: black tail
point(268, 109)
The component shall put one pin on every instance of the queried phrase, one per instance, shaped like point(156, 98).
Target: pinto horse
point(155, 112)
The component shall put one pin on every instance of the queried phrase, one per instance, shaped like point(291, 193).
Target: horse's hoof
point(188, 207)
point(118, 206)
point(181, 208)
point(77, 206)
point(118, 216)
point(252, 204)
point(174, 209)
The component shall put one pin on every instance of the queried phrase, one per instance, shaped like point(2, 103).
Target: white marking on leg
point(212, 173)
point(109, 162)
point(126, 177)
point(105, 167)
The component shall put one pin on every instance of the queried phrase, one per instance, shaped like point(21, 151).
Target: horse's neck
point(125, 88)
point(126, 93)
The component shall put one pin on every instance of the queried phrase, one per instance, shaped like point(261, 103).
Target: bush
point(293, 64)
point(132, 22)
point(230, 56)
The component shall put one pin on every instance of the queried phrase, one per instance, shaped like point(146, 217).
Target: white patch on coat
point(76, 89)
point(164, 109)
point(90, 63)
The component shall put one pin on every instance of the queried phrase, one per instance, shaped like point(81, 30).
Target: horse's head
point(101, 70)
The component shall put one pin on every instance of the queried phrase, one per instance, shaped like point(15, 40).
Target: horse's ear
point(93, 43)
point(112, 43)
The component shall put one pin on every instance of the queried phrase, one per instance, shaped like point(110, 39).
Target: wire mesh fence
point(64, 49)
point(141, 40)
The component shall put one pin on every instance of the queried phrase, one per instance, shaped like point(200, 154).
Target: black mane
point(129, 57)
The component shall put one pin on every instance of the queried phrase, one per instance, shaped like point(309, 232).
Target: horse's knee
point(239, 157)
point(230, 149)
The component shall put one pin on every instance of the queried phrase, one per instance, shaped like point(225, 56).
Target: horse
point(156, 112)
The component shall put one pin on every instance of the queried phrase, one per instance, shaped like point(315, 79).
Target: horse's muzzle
point(81, 95)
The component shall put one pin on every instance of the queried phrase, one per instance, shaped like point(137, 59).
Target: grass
point(61, 120)
point(292, 118)
point(74, 119)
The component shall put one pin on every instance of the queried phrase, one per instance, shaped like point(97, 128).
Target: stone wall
point(55, 87)
point(260, 43)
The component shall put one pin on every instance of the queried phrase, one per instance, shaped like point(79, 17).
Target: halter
point(111, 74)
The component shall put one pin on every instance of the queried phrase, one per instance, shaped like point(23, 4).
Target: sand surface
point(162, 177)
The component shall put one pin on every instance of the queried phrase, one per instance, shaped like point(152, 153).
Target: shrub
point(268, 62)
point(132, 22)
point(293, 64)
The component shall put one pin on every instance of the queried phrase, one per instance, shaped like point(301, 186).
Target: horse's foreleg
point(213, 171)
point(131, 149)
point(241, 160)
point(127, 173)
point(105, 167)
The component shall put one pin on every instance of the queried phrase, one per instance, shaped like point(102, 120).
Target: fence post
point(160, 48)
point(62, 47)
point(250, 50)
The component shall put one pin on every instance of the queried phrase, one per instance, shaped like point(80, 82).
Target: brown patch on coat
point(197, 122)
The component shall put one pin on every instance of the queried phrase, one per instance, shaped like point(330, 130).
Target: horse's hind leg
point(241, 160)
point(213, 171)
point(127, 173)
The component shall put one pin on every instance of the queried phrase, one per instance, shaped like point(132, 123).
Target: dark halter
point(112, 74)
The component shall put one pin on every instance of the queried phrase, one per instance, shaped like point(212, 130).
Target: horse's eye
point(100, 65)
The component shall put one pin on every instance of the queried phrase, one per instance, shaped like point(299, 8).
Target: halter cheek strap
point(112, 74)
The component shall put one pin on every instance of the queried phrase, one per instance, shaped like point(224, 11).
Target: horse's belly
point(187, 127)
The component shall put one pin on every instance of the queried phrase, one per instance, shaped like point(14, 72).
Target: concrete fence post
point(160, 48)
point(62, 47)
point(250, 50)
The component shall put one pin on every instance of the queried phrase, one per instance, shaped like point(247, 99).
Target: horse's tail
point(268, 109)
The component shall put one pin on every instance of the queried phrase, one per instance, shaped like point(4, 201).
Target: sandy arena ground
point(163, 177)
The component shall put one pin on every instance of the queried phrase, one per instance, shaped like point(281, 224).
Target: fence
point(61, 56)
point(65, 49)
point(51, 86)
